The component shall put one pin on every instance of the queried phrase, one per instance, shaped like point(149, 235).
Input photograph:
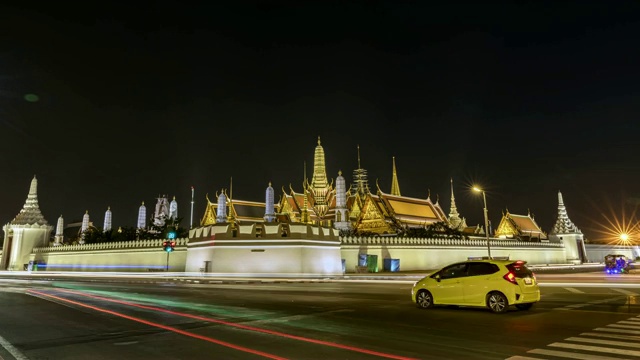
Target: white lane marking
point(623, 291)
point(596, 349)
point(628, 322)
point(522, 358)
point(623, 331)
point(574, 290)
point(612, 336)
point(634, 327)
point(12, 349)
point(603, 342)
point(569, 355)
point(634, 319)
point(125, 343)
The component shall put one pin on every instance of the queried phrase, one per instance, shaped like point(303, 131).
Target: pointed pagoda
point(395, 188)
point(565, 231)
point(317, 201)
point(455, 221)
point(563, 224)
point(29, 229)
point(321, 194)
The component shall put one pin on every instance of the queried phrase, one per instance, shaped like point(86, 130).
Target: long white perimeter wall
point(597, 252)
point(126, 256)
point(429, 254)
point(413, 254)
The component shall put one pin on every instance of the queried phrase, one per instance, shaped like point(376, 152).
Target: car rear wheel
point(424, 299)
point(497, 302)
point(526, 306)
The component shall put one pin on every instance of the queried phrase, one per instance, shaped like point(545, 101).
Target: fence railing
point(133, 244)
point(382, 240)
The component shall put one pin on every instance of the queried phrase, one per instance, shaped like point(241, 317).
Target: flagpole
point(191, 222)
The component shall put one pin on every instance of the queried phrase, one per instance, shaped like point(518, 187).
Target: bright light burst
point(618, 227)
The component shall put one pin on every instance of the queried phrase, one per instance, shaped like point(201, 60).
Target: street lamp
point(486, 218)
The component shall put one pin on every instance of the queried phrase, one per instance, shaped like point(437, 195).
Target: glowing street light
point(486, 218)
point(624, 237)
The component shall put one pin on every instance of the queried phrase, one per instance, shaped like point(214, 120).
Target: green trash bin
point(372, 263)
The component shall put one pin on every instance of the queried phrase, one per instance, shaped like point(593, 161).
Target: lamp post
point(486, 218)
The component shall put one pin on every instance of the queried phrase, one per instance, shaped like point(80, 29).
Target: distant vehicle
point(496, 284)
point(616, 264)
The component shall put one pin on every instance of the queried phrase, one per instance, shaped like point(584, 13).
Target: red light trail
point(240, 326)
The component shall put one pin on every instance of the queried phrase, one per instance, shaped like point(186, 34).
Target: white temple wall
point(597, 252)
point(128, 256)
point(25, 238)
point(570, 242)
point(430, 254)
point(270, 259)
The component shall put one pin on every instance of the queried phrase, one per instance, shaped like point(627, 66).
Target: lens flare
point(617, 226)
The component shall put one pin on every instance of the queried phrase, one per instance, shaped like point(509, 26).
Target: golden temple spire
point(395, 188)
point(453, 211)
point(320, 188)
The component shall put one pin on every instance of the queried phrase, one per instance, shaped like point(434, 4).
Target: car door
point(476, 283)
point(448, 289)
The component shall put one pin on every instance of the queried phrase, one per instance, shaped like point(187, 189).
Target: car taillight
point(510, 277)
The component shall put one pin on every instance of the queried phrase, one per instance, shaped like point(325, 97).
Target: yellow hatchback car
point(496, 284)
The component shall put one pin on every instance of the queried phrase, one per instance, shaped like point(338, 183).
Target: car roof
point(494, 261)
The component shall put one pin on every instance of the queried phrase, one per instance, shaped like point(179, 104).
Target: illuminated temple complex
point(355, 208)
point(322, 228)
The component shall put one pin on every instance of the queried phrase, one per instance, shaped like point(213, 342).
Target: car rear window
point(519, 270)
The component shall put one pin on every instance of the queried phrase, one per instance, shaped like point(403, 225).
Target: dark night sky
point(522, 98)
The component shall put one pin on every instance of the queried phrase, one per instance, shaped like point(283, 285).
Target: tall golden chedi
point(316, 203)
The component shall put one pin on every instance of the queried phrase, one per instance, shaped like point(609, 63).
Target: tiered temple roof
point(30, 213)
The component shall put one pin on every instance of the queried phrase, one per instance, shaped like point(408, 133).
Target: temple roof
point(411, 210)
point(30, 213)
point(519, 225)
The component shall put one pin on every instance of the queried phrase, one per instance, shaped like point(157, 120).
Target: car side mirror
point(438, 278)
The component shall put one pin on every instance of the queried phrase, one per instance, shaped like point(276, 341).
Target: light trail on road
point(169, 328)
point(236, 325)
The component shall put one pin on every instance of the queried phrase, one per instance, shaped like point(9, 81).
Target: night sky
point(114, 104)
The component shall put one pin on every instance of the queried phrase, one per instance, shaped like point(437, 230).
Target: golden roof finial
point(269, 183)
point(359, 156)
point(318, 139)
point(395, 187)
point(339, 172)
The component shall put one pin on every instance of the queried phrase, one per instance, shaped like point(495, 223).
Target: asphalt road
point(581, 316)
